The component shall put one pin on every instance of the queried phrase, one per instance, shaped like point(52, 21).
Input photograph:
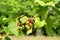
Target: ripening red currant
point(19, 24)
point(30, 21)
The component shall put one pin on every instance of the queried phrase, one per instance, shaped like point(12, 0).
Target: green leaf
point(1, 19)
point(56, 1)
point(43, 12)
point(57, 11)
point(46, 0)
point(49, 26)
point(23, 19)
point(42, 23)
point(7, 20)
point(6, 29)
point(40, 2)
point(38, 23)
point(7, 38)
point(21, 33)
point(50, 4)
point(13, 28)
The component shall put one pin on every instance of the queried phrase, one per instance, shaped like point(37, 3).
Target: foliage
point(22, 17)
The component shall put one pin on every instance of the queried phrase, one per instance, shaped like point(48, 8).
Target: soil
point(36, 38)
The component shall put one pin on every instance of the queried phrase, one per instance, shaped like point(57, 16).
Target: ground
point(36, 38)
